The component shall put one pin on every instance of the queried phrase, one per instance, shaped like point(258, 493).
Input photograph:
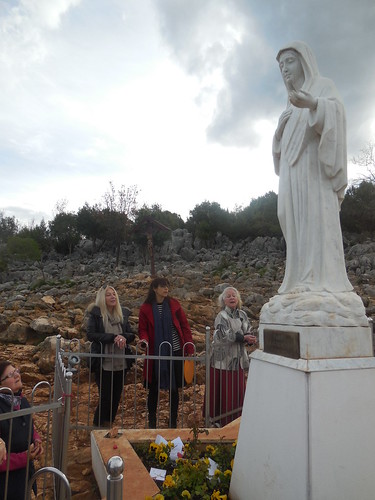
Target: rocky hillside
point(38, 302)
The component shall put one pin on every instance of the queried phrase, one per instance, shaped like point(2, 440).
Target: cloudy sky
point(177, 97)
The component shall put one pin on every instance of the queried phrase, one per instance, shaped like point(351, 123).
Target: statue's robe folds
point(310, 159)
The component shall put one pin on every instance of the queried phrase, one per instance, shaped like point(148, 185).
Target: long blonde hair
point(100, 302)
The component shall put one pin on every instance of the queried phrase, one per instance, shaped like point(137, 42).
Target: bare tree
point(366, 158)
point(123, 201)
point(119, 212)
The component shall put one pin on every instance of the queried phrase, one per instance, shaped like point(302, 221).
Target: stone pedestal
point(307, 430)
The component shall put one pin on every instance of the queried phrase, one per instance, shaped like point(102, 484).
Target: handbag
point(188, 371)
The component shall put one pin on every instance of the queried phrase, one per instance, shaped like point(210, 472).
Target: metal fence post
point(115, 468)
point(207, 398)
point(56, 473)
point(67, 403)
point(56, 440)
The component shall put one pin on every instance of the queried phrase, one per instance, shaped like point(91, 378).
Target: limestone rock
point(17, 332)
point(43, 325)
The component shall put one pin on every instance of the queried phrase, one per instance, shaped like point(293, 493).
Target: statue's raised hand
point(302, 99)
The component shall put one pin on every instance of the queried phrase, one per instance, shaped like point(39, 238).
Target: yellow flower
point(231, 463)
point(153, 448)
point(163, 457)
point(228, 472)
point(206, 461)
point(210, 448)
point(170, 444)
point(185, 494)
point(216, 496)
point(235, 443)
point(168, 482)
point(162, 447)
point(217, 472)
point(159, 496)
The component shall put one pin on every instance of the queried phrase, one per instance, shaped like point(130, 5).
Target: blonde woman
point(109, 331)
point(229, 357)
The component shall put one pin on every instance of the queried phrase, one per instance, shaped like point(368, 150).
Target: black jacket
point(96, 333)
point(20, 433)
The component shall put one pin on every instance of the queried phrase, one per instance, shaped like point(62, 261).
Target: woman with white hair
point(229, 358)
point(109, 330)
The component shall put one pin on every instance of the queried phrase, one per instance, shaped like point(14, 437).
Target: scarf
point(110, 363)
point(16, 400)
point(163, 333)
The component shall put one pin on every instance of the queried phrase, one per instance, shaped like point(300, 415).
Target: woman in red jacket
point(163, 327)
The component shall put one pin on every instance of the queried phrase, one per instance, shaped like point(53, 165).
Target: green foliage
point(3, 261)
point(116, 227)
point(206, 220)
point(23, 248)
point(8, 227)
point(142, 223)
point(64, 232)
point(39, 233)
point(90, 223)
point(50, 283)
point(259, 218)
point(188, 477)
point(358, 209)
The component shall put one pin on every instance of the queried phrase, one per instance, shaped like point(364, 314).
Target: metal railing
point(75, 399)
point(216, 411)
point(53, 416)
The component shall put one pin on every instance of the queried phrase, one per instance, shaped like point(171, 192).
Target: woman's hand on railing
point(142, 345)
point(120, 341)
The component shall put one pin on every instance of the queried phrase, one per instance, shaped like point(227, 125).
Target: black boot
point(173, 423)
point(152, 421)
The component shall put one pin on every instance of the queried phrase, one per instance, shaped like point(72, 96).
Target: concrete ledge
point(137, 482)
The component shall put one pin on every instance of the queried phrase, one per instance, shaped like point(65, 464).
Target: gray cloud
point(340, 33)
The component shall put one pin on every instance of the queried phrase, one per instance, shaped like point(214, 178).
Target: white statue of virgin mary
point(309, 151)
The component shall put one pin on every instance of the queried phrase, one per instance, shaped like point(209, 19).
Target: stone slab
point(317, 342)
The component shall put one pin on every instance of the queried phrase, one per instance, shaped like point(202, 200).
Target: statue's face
point(291, 69)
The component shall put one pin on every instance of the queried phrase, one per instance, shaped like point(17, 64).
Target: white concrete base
point(307, 430)
point(98, 467)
